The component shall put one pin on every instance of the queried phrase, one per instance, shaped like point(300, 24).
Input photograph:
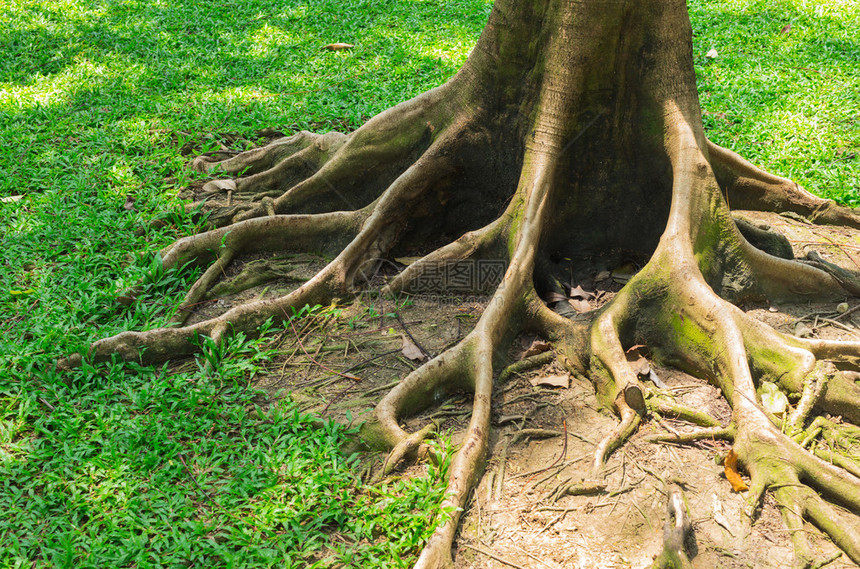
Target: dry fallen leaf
point(719, 517)
point(411, 351)
point(637, 361)
point(537, 347)
point(579, 292)
point(579, 305)
point(785, 29)
point(11, 199)
point(126, 299)
point(712, 54)
point(337, 46)
point(655, 379)
point(552, 381)
point(730, 467)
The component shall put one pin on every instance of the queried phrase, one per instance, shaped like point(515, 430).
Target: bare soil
point(340, 365)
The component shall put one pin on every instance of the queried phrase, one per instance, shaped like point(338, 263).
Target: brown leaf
point(338, 46)
point(655, 379)
point(125, 299)
point(719, 517)
point(579, 305)
point(129, 203)
point(637, 361)
point(537, 347)
point(552, 381)
point(731, 469)
point(579, 292)
point(411, 351)
point(785, 29)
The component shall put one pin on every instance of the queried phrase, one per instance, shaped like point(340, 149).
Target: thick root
point(747, 187)
point(687, 324)
point(311, 173)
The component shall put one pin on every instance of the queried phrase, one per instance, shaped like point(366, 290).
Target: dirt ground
point(345, 361)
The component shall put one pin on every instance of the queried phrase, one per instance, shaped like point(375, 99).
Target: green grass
point(125, 466)
point(787, 101)
point(119, 465)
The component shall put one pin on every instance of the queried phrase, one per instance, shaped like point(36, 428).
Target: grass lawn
point(120, 465)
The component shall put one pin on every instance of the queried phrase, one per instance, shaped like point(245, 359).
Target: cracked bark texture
point(573, 134)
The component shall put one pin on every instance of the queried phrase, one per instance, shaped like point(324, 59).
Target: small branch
point(534, 434)
point(580, 489)
point(381, 388)
point(427, 354)
point(712, 433)
point(847, 313)
point(493, 556)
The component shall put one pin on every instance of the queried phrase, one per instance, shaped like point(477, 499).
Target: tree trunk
point(570, 140)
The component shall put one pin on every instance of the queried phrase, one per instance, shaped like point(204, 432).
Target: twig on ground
point(381, 388)
point(500, 475)
point(534, 434)
point(427, 354)
point(492, 555)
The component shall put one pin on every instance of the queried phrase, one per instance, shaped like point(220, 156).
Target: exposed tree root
point(664, 407)
point(747, 187)
point(676, 531)
point(484, 173)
